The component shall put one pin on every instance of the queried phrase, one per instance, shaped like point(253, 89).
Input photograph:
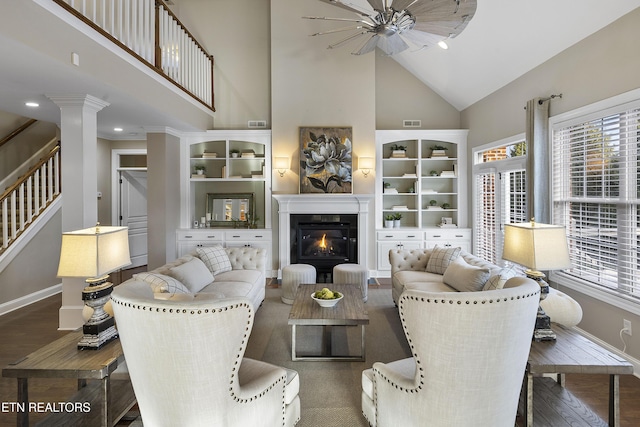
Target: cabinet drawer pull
point(437, 235)
point(235, 237)
point(411, 237)
point(188, 237)
point(459, 235)
point(211, 237)
point(388, 236)
point(258, 236)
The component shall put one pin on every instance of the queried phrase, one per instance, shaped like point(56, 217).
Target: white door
point(133, 213)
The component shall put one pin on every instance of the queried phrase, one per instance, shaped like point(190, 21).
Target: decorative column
point(79, 139)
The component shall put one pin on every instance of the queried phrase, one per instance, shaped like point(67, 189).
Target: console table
point(569, 353)
point(62, 359)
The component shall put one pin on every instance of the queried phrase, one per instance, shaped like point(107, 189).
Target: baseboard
point(614, 350)
point(24, 301)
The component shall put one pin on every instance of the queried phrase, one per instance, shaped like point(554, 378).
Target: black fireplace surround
point(324, 241)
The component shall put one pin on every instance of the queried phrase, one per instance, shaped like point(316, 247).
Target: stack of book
point(398, 154)
point(438, 153)
point(248, 154)
point(447, 173)
point(207, 155)
point(399, 208)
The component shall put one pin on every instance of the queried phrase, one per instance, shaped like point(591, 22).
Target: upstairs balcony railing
point(148, 30)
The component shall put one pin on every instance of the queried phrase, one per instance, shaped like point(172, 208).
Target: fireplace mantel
point(291, 204)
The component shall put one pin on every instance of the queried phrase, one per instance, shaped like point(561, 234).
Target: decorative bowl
point(326, 302)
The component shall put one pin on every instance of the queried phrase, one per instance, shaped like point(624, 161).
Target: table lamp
point(93, 253)
point(537, 247)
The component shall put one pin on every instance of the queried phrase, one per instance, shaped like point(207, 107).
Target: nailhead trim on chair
point(245, 337)
point(417, 389)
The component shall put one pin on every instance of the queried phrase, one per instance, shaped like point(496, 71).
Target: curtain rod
point(541, 100)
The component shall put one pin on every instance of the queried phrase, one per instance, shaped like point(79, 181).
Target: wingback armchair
point(469, 355)
point(185, 361)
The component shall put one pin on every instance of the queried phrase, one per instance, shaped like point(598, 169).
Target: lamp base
point(542, 330)
point(100, 328)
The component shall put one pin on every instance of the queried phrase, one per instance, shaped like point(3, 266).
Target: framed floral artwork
point(325, 160)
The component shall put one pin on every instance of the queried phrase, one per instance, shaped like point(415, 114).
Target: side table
point(62, 359)
point(572, 353)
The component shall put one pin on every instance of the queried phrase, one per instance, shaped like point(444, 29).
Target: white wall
point(599, 67)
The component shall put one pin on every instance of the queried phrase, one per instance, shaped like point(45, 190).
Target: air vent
point(257, 124)
point(412, 123)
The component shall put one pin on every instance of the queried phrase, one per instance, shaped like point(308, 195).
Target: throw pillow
point(160, 283)
point(464, 277)
point(497, 281)
point(194, 274)
point(215, 258)
point(440, 259)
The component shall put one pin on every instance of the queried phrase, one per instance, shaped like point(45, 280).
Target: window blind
point(596, 192)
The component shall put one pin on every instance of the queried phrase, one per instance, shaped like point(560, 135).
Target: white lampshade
point(536, 246)
point(281, 163)
point(93, 252)
point(365, 163)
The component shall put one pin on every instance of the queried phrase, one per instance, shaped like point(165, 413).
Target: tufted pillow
point(464, 277)
point(161, 283)
point(497, 281)
point(441, 258)
point(194, 274)
point(215, 258)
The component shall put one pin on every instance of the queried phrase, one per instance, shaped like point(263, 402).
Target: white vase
point(388, 223)
point(396, 223)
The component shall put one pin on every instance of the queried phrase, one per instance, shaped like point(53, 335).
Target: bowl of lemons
point(326, 297)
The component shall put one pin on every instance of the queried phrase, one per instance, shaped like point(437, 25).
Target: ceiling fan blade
point(443, 28)
point(392, 44)
point(376, 5)
point(368, 46)
point(348, 6)
point(442, 10)
point(346, 40)
point(338, 30)
point(401, 5)
point(324, 18)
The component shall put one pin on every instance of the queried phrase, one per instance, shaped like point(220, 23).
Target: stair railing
point(148, 30)
point(28, 197)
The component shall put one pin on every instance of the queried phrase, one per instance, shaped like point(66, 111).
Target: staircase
point(28, 197)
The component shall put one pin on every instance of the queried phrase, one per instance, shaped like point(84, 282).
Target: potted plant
point(398, 150)
point(396, 220)
point(446, 206)
point(432, 203)
point(200, 170)
point(439, 151)
point(234, 152)
point(388, 221)
point(433, 173)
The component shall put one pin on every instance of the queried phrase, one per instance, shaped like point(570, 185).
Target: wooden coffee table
point(349, 311)
point(569, 353)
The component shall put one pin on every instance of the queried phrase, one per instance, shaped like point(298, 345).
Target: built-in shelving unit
point(419, 177)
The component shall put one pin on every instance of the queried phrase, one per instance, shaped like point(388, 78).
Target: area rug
point(330, 392)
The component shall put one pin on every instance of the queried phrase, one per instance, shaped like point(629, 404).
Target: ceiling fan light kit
point(395, 25)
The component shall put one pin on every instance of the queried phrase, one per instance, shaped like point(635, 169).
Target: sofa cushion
point(464, 277)
point(215, 258)
point(498, 280)
point(194, 274)
point(441, 258)
point(161, 283)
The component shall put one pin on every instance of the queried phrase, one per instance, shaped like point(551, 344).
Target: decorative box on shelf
point(398, 154)
point(390, 191)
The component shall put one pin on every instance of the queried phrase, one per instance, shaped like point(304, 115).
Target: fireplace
point(324, 241)
point(325, 209)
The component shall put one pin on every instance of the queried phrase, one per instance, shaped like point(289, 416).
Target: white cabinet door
point(384, 247)
point(448, 238)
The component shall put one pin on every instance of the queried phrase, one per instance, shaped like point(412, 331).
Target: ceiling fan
point(392, 25)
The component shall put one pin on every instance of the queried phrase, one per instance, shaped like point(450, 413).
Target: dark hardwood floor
point(25, 330)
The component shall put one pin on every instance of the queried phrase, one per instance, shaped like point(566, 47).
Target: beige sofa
point(418, 269)
point(223, 272)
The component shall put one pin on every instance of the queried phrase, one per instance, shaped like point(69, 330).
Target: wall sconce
point(365, 164)
point(281, 164)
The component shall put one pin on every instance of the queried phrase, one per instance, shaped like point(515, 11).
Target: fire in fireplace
point(325, 241)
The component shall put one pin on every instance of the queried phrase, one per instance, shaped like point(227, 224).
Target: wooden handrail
point(30, 172)
point(17, 132)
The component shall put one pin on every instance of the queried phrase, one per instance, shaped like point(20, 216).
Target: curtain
point(537, 138)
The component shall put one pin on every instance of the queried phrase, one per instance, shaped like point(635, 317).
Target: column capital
point(78, 100)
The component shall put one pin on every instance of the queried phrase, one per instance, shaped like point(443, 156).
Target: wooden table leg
point(106, 396)
point(293, 343)
point(23, 401)
point(528, 399)
point(614, 400)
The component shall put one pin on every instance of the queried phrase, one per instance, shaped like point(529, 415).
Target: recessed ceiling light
point(443, 44)
point(117, 129)
point(32, 104)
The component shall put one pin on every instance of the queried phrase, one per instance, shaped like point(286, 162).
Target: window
point(499, 194)
point(596, 193)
